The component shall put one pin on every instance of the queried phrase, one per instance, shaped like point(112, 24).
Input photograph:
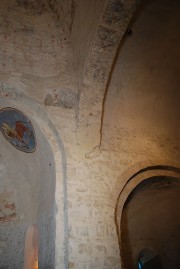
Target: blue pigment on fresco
point(17, 129)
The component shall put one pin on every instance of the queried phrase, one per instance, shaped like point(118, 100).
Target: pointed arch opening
point(147, 218)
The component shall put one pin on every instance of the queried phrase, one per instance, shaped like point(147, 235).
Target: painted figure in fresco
point(17, 129)
point(18, 132)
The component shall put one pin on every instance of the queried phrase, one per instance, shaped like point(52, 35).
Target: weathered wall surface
point(36, 61)
point(150, 219)
point(135, 132)
point(86, 16)
point(35, 50)
point(141, 109)
point(140, 127)
point(100, 60)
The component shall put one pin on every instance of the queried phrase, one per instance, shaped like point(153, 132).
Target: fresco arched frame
point(13, 97)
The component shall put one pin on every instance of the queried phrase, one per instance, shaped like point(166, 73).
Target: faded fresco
point(17, 129)
point(7, 207)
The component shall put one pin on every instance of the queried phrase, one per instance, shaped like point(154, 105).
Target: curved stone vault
point(99, 81)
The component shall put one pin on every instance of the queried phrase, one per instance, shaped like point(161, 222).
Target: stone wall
point(85, 21)
point(134, 128)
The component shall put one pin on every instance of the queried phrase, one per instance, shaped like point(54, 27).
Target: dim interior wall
point(86, 234)
point(141, 111)
point(94, 183)
point(150, 219)
point(132, 178)
point(139, 129)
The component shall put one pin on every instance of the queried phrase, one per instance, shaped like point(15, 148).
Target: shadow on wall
point(148, 259)
point(151, 220)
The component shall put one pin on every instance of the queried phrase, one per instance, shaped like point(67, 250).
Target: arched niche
point(37, 181)
point(28, 186)
point(164, 172)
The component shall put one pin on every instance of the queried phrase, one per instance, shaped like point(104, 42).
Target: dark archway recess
point(148, 259)
point(151, 221)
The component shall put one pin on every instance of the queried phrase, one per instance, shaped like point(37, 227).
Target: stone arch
point(12, 97)
point(133, 181)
